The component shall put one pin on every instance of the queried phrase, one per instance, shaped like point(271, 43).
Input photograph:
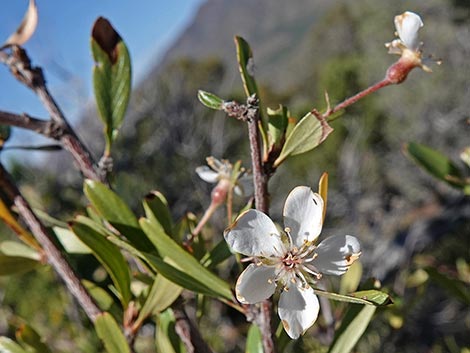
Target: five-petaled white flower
point(408, 45)
point(289, 259)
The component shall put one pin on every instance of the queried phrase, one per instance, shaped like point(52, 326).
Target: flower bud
point(219, 193)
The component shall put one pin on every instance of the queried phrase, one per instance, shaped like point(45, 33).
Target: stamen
point(287, 230)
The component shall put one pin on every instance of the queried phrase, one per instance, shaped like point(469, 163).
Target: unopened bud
point(219, 193)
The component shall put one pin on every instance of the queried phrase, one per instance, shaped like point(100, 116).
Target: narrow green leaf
point(277, 124)
point(352, 327)
point(109, 332)
point(156, 208)
point(11, 265)
point(104, 300)
point(112, 208)
point(14, 248)
point(309, 132)
point(180, 277)
point(178, 258)
point(435, 163)
point(367, 297)
point(30, 339)
point(161, 295)
point(254, 340)
point(71, 243)
point(111, 76)
point(210, 100)
point(166, 339)
point(109, 256)
point(246, 66)
point(9, 346)
point(218, 254)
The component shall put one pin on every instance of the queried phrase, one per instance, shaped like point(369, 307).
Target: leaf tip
point(106, 37)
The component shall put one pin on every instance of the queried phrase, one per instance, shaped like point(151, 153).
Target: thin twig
point(54, 256)
point(260, 179)
point(351, 100)
point(19, 64)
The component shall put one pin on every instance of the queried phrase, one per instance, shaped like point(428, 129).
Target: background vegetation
point(415, 230)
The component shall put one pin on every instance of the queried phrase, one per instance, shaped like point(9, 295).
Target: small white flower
point(408, 45)
point(218, 170)
point(289, 259)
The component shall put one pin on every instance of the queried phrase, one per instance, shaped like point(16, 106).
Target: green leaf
point(161, 295)
point(307, 134)
point(29, 338)
point(10, 265)
point(179, 277)
point(109, 332)
point(14, 248)
point(111, 76)
point(246, 66)
point(166, 339)
point(435, 163)
point(218, 254)
point(254, 340)
point(277, 125)
point(156, 208)
point(210, 100)
point(109, 256)
point(9, 346)
point(112, 208)
point(352, 327)
point(71, 243)
point(367, 297)
point(175, 257)
point(104, 300)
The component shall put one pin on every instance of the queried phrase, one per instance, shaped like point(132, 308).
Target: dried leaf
point(26, 28)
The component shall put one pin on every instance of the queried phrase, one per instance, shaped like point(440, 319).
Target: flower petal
point(335, 254)
point(255, 284)
point(303, 214)
point(254, 234)
point(408, 25)
point(207, 174)
point(298, 309)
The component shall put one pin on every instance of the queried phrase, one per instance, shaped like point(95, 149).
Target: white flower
point(219, 170)
point(408, 45)
point(289, 259)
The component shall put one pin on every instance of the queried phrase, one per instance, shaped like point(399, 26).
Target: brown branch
point(54, 256)
point(20, 66)
point(260, 179)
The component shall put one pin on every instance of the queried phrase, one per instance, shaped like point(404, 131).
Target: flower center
point(291, 260)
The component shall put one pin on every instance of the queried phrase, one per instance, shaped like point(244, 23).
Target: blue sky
point(61, 45)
